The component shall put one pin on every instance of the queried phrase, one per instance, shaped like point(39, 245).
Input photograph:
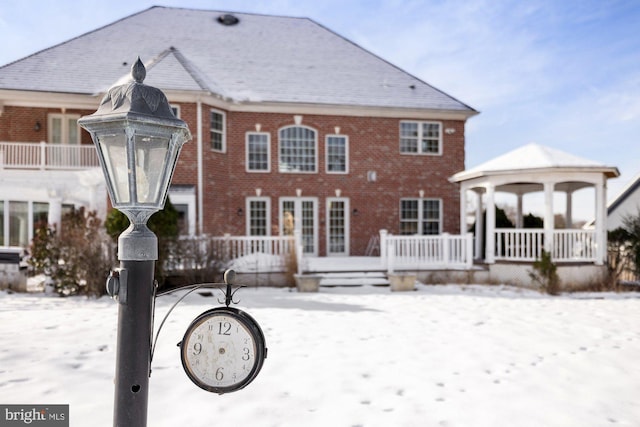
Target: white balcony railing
point(29, 155)
point(442, 251)
point(524, 244)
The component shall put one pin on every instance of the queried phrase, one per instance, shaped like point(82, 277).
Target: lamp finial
point(138, 71)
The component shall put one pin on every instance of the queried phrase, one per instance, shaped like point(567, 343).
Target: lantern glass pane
point(151, 154)
point(114, 152)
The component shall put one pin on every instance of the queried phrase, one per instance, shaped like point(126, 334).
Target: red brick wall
point(19, 123)
point(373, 146)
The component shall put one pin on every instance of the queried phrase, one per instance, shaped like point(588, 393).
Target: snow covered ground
point(440, 356)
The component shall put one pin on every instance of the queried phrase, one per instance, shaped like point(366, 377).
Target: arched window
point(298, 149)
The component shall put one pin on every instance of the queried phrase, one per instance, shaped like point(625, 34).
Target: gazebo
point(530, 169)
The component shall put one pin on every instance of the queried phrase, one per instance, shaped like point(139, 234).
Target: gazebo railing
point(526, 244)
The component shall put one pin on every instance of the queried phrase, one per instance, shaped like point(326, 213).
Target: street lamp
point(138, 140)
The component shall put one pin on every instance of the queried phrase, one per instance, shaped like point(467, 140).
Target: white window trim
point(224, 130)
point(189, 199)
point(347, 224)
point(421, 213)
point(420, 123)
point(65, 129)
point(247, 209)
point(315, 149)
point(177, 108)
point(246, 145)
point(346, 154)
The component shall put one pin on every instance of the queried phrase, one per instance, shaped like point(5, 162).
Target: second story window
point(217, 129)
point(420, 137)
point(298, 149)
point(337, 150)
point(258, 152)
point(63, 129)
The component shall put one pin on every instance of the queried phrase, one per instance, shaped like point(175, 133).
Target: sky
point(565, 74)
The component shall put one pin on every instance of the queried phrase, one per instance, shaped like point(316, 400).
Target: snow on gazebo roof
point(534, 157)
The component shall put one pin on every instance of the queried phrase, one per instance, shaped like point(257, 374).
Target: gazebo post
point(548, 216)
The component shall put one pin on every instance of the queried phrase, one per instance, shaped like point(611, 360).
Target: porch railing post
point(383, 248)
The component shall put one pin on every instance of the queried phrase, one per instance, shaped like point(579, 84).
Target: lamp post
point(138, 140)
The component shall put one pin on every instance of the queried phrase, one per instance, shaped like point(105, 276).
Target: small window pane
point(258, 218)
point(216, 125)
point(258, 152)
point(18, 224)
point(336, 154)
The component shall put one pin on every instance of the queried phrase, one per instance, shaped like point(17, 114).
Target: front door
point(301, 214)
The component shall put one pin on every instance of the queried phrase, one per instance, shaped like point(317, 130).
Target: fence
point(518, 244)
point(442, 251)
point(27, 155)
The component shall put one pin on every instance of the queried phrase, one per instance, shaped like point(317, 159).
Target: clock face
point(223, 350)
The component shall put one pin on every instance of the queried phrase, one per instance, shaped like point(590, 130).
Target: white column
point(200, 167)
point(568, 216)
point(519, 222)
point(548, 216)
point(55, 212)
point(463, 209)
point(479, 227)
point(601, 226)
point(490, 255)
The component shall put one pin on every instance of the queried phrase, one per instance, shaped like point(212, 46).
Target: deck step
point(353, 279)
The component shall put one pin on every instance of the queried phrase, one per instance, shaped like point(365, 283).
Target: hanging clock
point(223, 350)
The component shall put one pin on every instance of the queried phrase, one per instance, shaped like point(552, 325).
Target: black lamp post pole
point(134, 346)
point(137, 251)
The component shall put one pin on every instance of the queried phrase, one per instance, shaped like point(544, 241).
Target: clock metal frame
point(250, 326)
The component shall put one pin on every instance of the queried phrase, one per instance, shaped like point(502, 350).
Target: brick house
point(294, 127)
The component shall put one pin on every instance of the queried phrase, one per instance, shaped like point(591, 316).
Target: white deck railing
point(526, 244)
point(29, 155)
point(442, 251)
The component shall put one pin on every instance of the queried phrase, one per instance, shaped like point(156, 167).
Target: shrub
point(545, 274)
point(77, 259)
point(163, 223)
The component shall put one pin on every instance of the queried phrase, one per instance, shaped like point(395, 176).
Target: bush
point(545, 274)
point(163, 223)
point(78, 259)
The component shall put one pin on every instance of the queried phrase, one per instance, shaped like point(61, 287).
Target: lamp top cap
point(136, 101)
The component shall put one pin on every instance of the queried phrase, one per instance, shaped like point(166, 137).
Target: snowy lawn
point(439, 356)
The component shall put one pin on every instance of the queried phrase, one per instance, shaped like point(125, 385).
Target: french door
point(301, 214)
point(337, 226)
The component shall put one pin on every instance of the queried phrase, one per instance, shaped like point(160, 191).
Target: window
point(175, 109)
point(259, 218)
point(217, 129)
point(63, 129)
point(338, 226)
point(420, 137)
point(258, 152)
point(337, 148)
point(420, 216)
point(297, 149)
point(183, 199)
point(19, 224)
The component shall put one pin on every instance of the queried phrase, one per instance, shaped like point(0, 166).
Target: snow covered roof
point(532, 157)
point(258, 59)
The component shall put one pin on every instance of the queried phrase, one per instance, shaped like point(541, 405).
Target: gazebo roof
point(535, 158)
